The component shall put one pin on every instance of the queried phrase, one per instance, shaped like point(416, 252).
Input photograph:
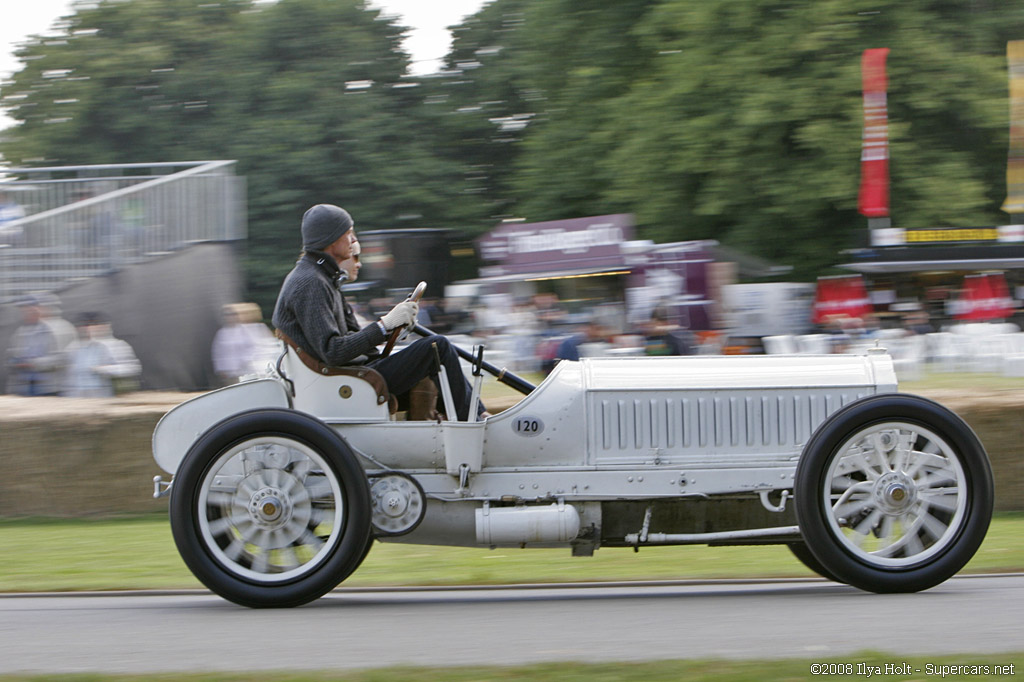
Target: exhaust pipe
point(557, 523)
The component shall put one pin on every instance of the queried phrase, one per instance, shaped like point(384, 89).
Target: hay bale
point(68, 457)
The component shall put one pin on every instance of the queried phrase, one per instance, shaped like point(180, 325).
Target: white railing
point(84, 221)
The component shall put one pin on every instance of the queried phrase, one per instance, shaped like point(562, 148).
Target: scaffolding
point(85, 221)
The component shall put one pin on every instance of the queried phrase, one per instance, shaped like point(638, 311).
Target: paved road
point(359, 628)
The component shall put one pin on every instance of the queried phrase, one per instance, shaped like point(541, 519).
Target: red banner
point(873, 200)
point(843, 296)
point(1015, 163)
point(985, 297)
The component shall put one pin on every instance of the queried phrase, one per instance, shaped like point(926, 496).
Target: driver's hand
point(402, 315)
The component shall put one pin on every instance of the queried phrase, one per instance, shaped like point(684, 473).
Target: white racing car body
point(281, 484)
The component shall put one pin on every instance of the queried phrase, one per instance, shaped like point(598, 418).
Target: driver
point(312, 312)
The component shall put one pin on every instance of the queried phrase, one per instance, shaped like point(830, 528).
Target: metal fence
point(84, 221)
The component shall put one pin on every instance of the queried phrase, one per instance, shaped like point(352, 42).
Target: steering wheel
point(397, 331)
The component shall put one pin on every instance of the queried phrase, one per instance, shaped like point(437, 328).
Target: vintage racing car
point(281, 484)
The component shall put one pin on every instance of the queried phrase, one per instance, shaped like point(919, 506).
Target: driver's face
point(342, 248)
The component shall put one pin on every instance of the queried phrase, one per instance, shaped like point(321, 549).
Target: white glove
point(402, 315)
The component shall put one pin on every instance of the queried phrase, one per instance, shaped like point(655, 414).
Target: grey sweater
point(312, 311)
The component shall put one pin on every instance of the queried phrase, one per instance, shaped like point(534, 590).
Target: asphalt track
point(197, 631)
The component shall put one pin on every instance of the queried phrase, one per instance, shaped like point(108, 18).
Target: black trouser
point(405, 368)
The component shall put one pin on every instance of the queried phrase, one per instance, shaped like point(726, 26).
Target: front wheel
point(270, 508)
point(893, 494)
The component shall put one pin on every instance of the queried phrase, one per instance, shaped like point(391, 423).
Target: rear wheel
point(271, 508)
point(893, 494)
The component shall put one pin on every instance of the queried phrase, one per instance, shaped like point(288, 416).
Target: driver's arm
point(310, 308)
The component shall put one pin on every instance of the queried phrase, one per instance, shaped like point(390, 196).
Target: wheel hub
point(269, 508)
point(398, 504)
point(895, 493)
point(394, 504)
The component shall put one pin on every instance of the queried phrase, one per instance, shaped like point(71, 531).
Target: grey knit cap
point(322, 225)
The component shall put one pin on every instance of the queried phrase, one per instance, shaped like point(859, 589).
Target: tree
point(310, 96)
point(742, 121)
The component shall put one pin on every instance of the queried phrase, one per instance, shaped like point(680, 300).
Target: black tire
point(808, 559)
point(893, 493)
point(270, 508)
point(366, 551)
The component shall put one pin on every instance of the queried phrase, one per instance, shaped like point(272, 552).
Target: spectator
point(549, 311)
point(34, 358)
point(99, 365)
point(266, 348)
point(916, 322)
point(233, 347)
point(664, 337)
point(569, 348)
point(49, 305)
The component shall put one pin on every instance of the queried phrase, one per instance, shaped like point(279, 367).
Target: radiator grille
point(628, 428)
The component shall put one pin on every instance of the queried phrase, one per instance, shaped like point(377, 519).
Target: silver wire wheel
point(271, 508)
point(893, 494)
point(896, 494)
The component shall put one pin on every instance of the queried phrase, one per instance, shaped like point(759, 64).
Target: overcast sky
point(428, 41)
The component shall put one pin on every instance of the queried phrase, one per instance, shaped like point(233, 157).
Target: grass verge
point(976, 667)
point(139, 553)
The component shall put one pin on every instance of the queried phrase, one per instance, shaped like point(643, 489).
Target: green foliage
point(310, 96)
point(742, 121)
point(734, 121)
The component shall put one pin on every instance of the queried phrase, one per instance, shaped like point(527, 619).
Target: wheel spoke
point(925, 458)
point(943, 498)
point(913, 545)
point(309, 540)
point(299, 495)
point(851, 508)
point(261, 562)
point(932, 525)
point(864, 528)
point(936, 479)
point(300, 467)
point(859, 459)
point(226, 524)
point(235, 549)
point(902, 451)
point(287, 558)
point(885, 533)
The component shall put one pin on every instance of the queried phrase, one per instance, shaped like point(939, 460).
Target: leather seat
point(419, 403)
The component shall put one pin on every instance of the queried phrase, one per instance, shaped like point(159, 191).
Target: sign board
point(527, 248)
point(894, 236)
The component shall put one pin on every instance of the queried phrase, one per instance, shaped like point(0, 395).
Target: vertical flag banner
point(873, 199)
point(1015, 163)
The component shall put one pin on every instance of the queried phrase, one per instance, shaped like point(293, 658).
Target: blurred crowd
point(533, 334)
point(50, 356)
point(243, 345)
point(525, 336)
